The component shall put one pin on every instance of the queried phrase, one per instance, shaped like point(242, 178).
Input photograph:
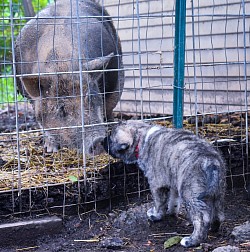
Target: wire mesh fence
point(68, 65)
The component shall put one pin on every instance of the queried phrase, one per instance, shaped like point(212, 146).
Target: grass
point(7, 89)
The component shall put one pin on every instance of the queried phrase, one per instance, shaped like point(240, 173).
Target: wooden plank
point(202, 84)
point(26, 232)
point(219, 52)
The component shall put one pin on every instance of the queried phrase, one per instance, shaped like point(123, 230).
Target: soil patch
point(117, 187)
point(127, 229)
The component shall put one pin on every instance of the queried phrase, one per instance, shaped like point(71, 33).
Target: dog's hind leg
point(218, 215)
point(199, 234)
point(200, 214)
point(159, 210)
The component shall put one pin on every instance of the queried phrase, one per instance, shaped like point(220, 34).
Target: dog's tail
point(213, 178)
point(212, 173)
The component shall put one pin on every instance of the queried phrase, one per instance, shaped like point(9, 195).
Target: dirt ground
point(125, 227)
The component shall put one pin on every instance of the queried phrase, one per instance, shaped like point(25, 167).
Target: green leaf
point(73, 178)
point(172, 241)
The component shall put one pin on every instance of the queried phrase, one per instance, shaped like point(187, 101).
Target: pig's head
point(58, 103)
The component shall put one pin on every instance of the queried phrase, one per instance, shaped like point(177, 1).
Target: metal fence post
point(179, 61)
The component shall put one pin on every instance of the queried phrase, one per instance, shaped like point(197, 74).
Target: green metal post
point(179, 62)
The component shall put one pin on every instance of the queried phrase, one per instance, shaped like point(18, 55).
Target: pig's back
point(55, 38)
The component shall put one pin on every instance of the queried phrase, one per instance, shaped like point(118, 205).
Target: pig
point(68, 62)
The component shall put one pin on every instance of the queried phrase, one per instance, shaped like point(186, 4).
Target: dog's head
point(122, 142)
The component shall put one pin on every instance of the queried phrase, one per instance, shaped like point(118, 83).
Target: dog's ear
point(113, 126)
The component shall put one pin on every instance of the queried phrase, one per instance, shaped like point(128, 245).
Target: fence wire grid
point(216, 93)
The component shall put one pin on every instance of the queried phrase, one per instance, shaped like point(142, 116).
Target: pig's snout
point(107, 143)
point(96, 148)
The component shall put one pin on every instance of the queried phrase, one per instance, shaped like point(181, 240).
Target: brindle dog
point(179, 166)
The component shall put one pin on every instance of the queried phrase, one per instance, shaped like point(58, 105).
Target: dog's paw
point(172, 212)
point(153, 215)
point(188, 242)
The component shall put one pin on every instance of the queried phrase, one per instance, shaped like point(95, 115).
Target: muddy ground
point(124, 227)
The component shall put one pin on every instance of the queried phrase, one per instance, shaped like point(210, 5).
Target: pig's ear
point(33, 85)
point(98, 64)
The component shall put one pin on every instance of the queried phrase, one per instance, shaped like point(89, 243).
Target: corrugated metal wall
point(217, 55)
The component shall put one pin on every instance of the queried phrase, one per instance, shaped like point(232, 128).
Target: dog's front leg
point(173, 202)
point(158, 211)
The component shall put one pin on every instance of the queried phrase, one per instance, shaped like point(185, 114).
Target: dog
point(181, 168)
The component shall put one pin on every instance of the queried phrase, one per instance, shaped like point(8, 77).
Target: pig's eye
point(61, 111)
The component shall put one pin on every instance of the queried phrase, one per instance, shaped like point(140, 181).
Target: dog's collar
point(137, 151)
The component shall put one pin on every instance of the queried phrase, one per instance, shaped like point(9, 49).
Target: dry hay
point(38, 168)
point(226, 128)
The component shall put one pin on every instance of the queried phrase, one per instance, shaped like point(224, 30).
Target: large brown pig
point(67, 62)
